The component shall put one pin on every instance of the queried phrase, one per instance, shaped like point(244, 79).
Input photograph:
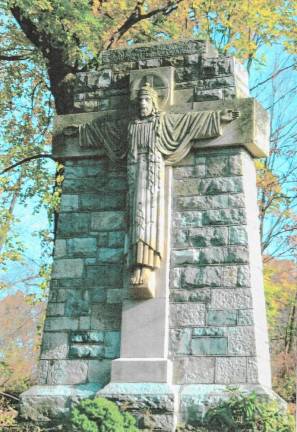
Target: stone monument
point(156, 297)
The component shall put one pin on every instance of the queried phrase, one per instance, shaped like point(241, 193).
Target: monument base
point(52, 402)
point(158, 407)
point(154, 405)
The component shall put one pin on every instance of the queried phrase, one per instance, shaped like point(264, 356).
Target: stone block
point(209, 346)
point(217, 166)
point(42, 371)
point(252, 370)
point(188, 219)
point(208, 236)
point(67, 372)
point(86, 351)
point(220, 185)
point(236, 166)
point(114, 295)
point(182, 315)
point(108, 221)
point(73, 224)
point(197, 202)
point(191, 370)
point(238, 235)
point(99, 371)
point(180, 341)
point(60, 323)
point(69, 203)
point(185, 256)
point(82, 247)
point(106, 316)
point(201, 295)
point(224, 217)
point(55, 309)
point(229, 276)
point(239, 298)
point(236, 200)
point(243, 276)
point(98, 295)
point(60, 248)
point(237, 254)
point(99, 201)
point(193, 277)
point(54, 346)
point(87, 337)
point(189, 171)
point(213, 255)
point(221, 317)
point(241, 341)
point(116, 239)
point(112, 344)
point(105, 275)
point(208, 331)
point(110, 256)
point(84, 323)
point(186, 187)
point(245, 317)
point(68, 268)
point(77, 303)
point(231, 370)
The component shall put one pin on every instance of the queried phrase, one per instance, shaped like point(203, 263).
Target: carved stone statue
point(153, 140)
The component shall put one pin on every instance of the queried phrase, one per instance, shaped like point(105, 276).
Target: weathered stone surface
point(208, 331)
point(60, 323)
point(86, 351)
point(238, 235)
point(108, 221)
point(245, 317)
point(54, 346)
point(192, 171)
point(231, 370)
point(69, 203)
point(206, 236)
point(71, 224)
point(82, 247)
point(221, 317)
point(187, 314)
point(87, 337)
point(77, 303)
point(114, 295)
point(106, 316)
point(224, 217)
point(197, 202)
point(220, 185)
point(209, 346)
point(192, 277)
point(55, 309)
point(112, 344)
point(68, 268)
point(239, 298)
point(191, 370)
point(252, 370)
point(67, 372)
point(60, 248)
point(99, 201)
point(105, 275)
point(185, 256)
point(243, 276)
point(241, 341)
point(180, 341)
point(217, 166)
point(99, 371)
point(110, 256)
point(188, 219)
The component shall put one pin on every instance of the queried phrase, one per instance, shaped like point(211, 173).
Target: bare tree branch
point(274, 75)
point(28, 159)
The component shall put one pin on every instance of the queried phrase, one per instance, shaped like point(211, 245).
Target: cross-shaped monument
point(156, 298)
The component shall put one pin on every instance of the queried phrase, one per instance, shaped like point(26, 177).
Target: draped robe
point(149, 144)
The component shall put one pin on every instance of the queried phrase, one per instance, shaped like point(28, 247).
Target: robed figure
point(149, 142)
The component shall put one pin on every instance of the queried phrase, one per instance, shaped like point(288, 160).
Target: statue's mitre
point(148, 90)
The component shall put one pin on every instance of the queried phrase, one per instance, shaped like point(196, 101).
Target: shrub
point(247, 413)
point(100, 415)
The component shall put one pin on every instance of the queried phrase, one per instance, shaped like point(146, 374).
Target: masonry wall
point(212, 334)
point(83, 320)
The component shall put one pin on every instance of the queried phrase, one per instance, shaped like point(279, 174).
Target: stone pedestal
point(206, 327)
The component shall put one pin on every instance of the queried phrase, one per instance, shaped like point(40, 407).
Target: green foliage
point(100, 415)
point(247, 413)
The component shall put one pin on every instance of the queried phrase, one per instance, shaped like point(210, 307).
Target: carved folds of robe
point(149, 144)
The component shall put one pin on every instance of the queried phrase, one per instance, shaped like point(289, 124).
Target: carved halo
point(157, 81)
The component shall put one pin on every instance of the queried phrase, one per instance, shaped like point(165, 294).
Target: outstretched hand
point(71, 130)
point(229, 115)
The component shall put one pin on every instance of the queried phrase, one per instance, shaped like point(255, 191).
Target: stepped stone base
point(160, 407)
